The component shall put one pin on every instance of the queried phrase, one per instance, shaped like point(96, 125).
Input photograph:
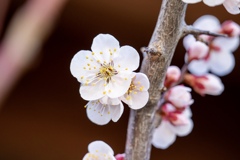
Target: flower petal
point(232, 6)
point(105, 47)
point(128, 59)
point(100, 146)
point(119, 84)
point(188, 41)
point(183, 130)
point(80, 66)
point(191, 1)
point(213, 3)
point(116, 111)
point(222, 63)
point(207, 22)
point(141, 82)
point(163, 137)
point(92, 91)
point(98, 113)
point(137, 100)
point(228, 44)
point(198, 67)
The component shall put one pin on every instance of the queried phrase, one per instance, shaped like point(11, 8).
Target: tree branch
point(188, 29)
point(168, 31)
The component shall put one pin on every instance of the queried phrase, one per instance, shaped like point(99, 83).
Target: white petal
point(138, 100)
point(163, 137)
point(187, 112)
point(222, 63)
point(198, 67)
point(92, 91)
point(232, 6)
point(79, 66)
point(207, 22)
point(128, 59)
point(111, 101)
point(116, 111)
point(213, 3)
point(141, 80)
point(183, 130)
point(100, 146)
point(105, 47)
point(191, 1)
point(229, 44)
point(98, 113)
point(119, 84)
point(188, 41)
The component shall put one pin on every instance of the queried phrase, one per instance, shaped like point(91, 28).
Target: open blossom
point(174, 123)
point(101, 112)
point(179, 96)
point(99, 150)
point(206, 84)
point(137, 95)
point(220, 59)
point(173, 74)
point(107, 70)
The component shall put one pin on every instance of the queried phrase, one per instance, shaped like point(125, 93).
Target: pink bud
point(172, 76)
point(207, 84)
point(197, 50)
point(230, 28)
point(179, 96)
point(120, 156)
point(179, 119)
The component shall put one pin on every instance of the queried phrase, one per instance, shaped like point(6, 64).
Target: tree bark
point(168, 31)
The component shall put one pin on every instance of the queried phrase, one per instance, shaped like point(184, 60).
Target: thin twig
point(188, 29)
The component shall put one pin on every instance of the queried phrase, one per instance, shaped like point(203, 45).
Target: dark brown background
point(44, 118)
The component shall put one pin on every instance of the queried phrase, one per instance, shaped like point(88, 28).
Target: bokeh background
point(43, 118)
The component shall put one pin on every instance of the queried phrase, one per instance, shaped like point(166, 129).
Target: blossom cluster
point(204, 53)
point(232, 6)
point(107, 78)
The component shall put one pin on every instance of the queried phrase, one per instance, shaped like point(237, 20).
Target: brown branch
point(188, 29)
point(168, 31)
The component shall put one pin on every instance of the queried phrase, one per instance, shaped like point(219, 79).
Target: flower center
point(131, 88)
point(106, 71)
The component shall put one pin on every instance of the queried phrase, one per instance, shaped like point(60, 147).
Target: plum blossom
point(174, 123)
point(102, 111)
point(179, 96)
point(107, 70)
point(206, 84)
point(137, 95)
point(197, 50)
point(173, 74)
point(220, 59)
point(99, 150)
point(207, 2)
point(230, 28)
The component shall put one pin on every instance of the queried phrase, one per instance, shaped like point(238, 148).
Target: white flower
point(179, 96)
point(103, 110)
point(206, 84)
point(230, 28)
point(174, 123)
point(173, 74)
point(207, 2)
point(220, 59)
point(197, 50)
point(99, 150)
point(106, 70)
point(232, 6)
point(137, 95)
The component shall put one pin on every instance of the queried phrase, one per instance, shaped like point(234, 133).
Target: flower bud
point(120, 156)
point(230, 28)
point(179, 96)
point(172, 76)
point(207, 84)
point(197, 50)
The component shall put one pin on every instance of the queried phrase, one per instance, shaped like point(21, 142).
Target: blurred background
point(43, 116)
